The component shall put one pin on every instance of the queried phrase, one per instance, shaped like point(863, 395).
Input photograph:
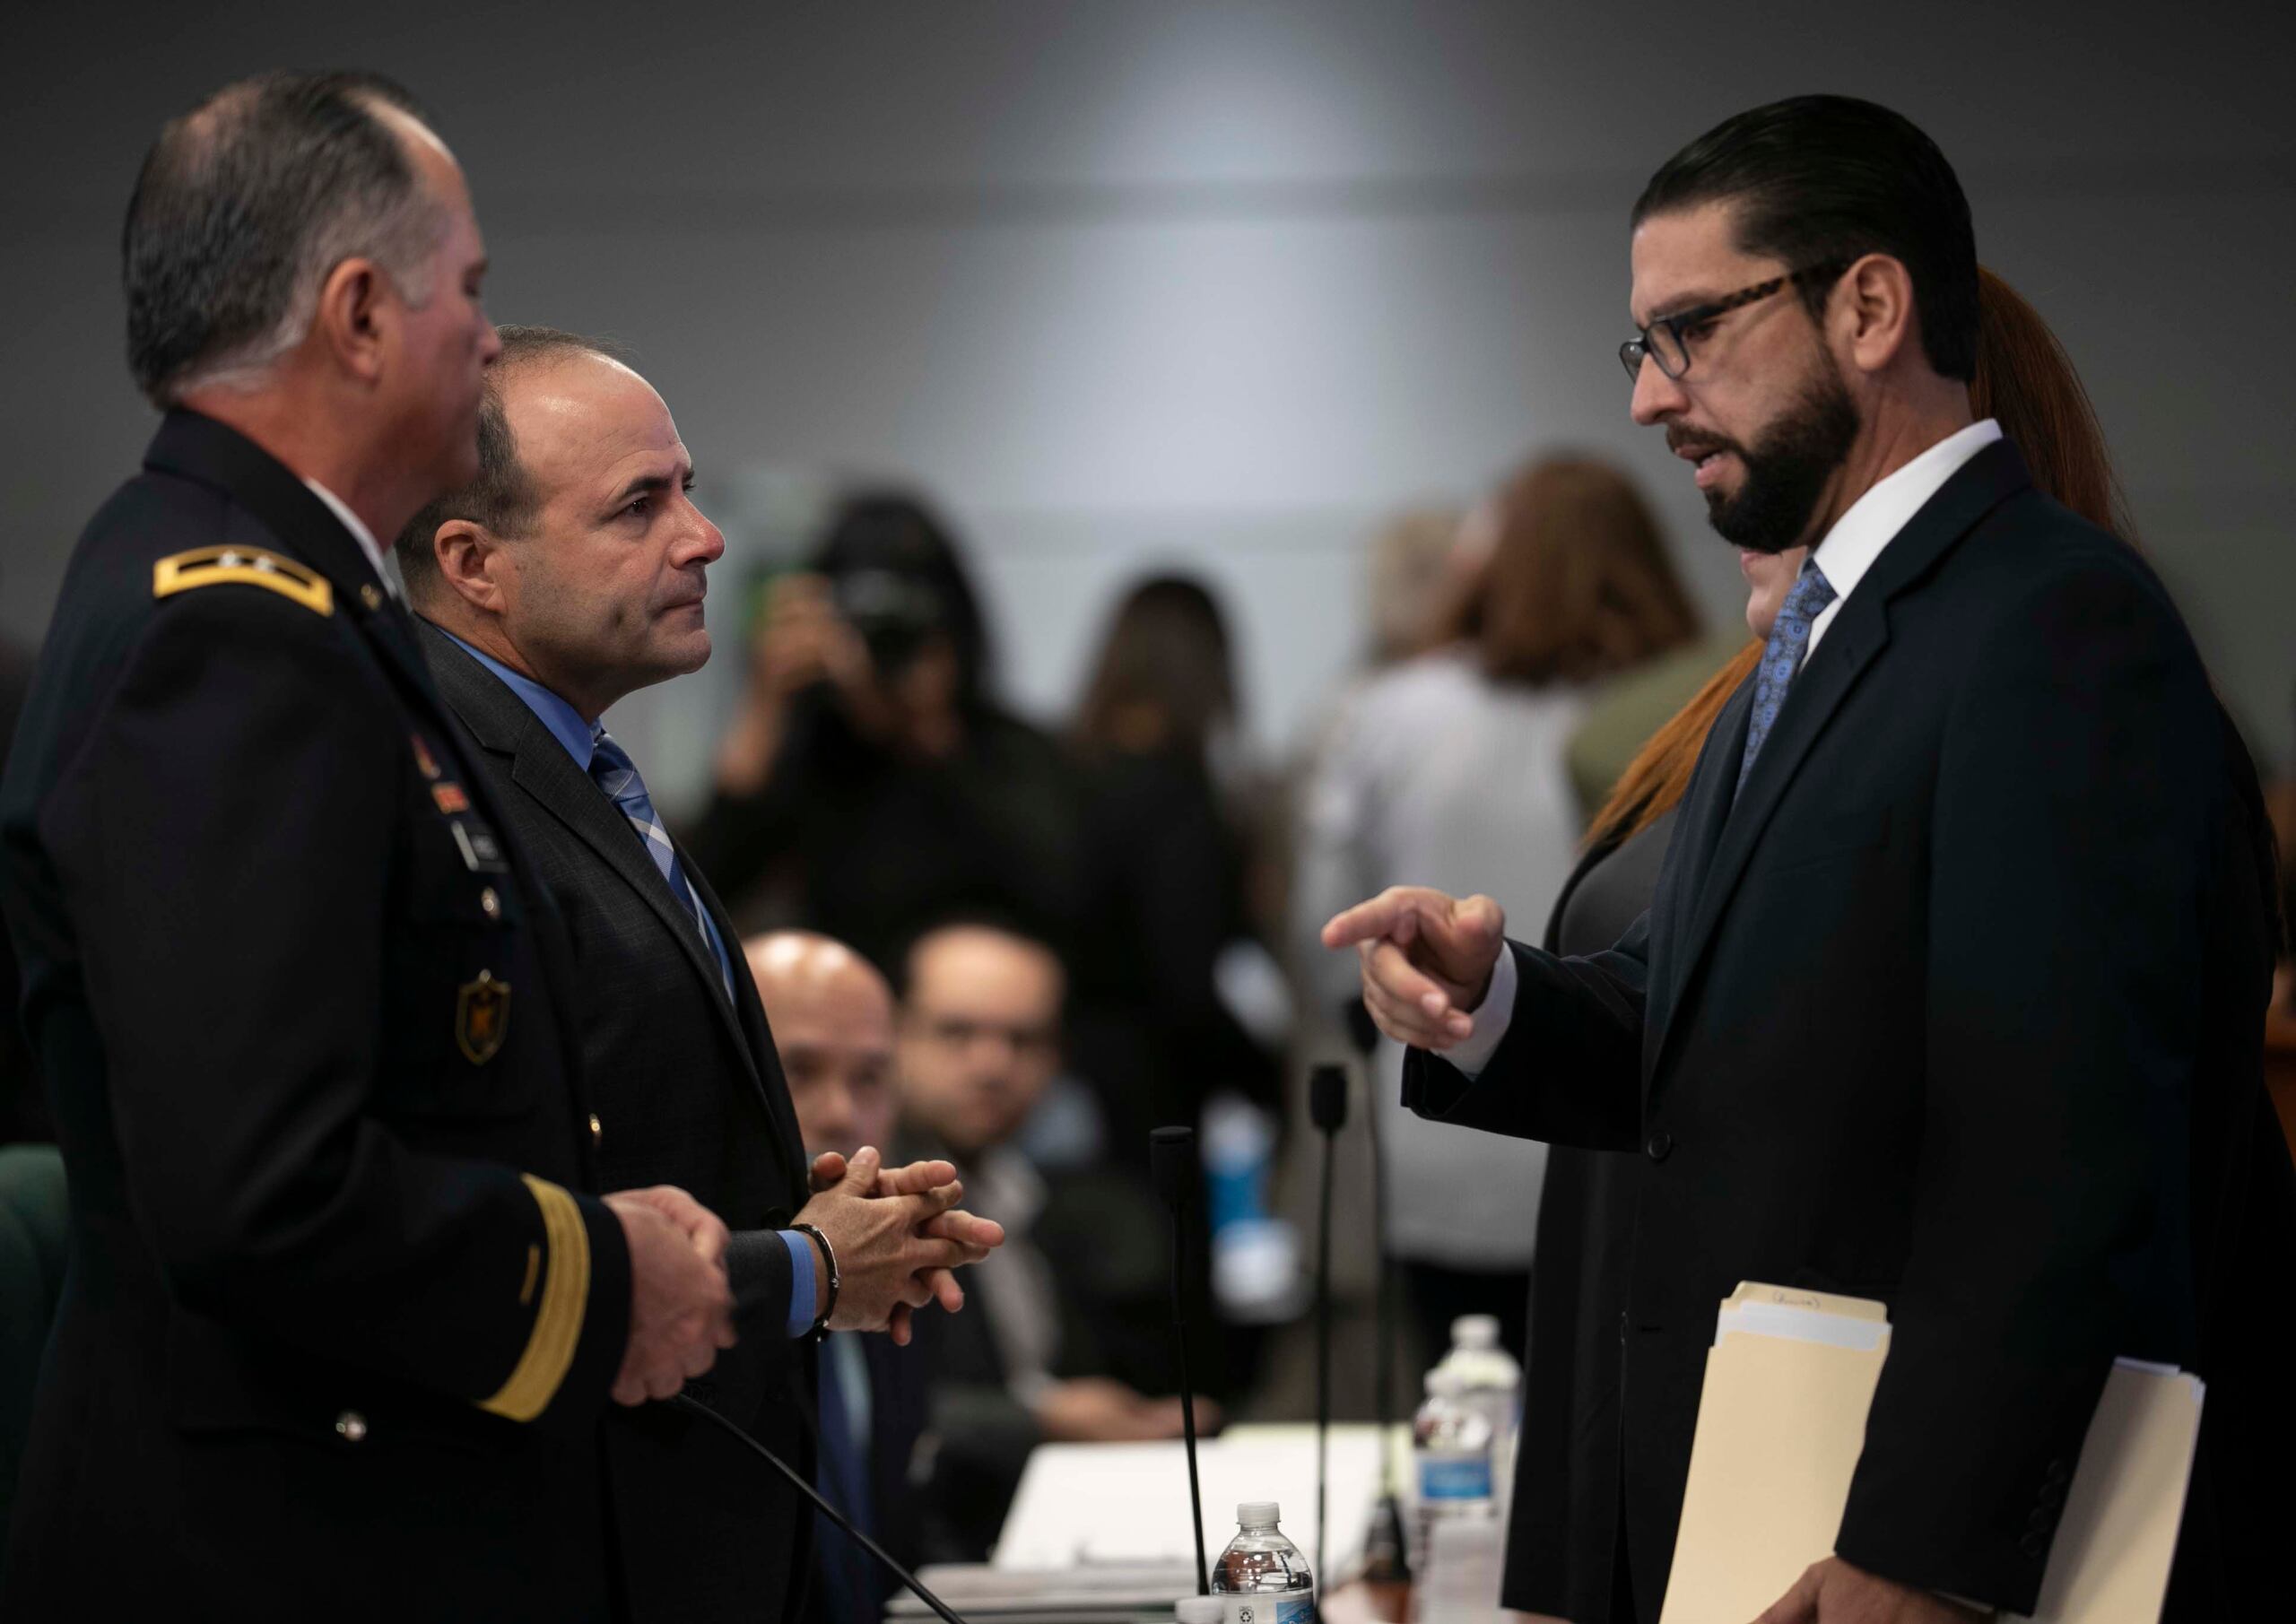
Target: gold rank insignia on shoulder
point(482, 1018)
point(243, 567)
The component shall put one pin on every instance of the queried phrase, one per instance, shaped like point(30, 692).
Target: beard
point(1787, 470)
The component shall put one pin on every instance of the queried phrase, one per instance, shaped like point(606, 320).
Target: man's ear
point(357, 302)
point(1873, 312)
point(470, 560)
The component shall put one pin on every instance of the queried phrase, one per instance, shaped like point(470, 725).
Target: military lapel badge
point(482, 1018)
point(424, 761)
point(450, 798)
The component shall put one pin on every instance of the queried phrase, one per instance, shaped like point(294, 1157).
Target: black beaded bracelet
point(829, 1262)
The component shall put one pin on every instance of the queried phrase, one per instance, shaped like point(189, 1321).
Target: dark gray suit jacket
point(687, 1091)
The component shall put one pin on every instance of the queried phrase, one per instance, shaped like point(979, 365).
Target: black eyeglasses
point(1666, 340)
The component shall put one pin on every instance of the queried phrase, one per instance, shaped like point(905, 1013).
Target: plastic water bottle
point(1456, 1520)
point(1261, 1579)
point(1494, 1389)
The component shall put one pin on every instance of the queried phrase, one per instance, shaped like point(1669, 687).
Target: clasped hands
point(896, 1232)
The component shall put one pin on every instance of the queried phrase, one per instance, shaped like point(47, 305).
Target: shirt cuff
point(802, 1265)
point(1492, 1017)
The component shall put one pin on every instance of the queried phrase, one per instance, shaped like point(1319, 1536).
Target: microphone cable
point(821, 1504)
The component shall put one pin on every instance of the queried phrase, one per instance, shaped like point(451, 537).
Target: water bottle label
point(1468, 1479)
point(1269, 1610)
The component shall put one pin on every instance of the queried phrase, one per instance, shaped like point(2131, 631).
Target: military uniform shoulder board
point(243, 567)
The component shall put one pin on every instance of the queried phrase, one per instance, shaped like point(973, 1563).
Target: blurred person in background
point(1177, 1012)
point(833, 1017)
point(869, 782)
point(1452, 763)
point(1066, 1338)
point(1417, 581)
point(1559, 1561)
point(1148, 1024)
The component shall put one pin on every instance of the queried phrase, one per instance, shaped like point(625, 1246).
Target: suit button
point(2034, 1545)
point(597, 1130)
point(2052, 1494)
point(1660, 1146)
point(490, 904)
point(350, 1426)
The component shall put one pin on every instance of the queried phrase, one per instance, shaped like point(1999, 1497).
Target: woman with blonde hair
point(1451, 764)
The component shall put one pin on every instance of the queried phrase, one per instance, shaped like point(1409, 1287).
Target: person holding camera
point(868, 782)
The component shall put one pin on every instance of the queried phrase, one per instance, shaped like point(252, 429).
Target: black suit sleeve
point(1569, 1069)
point(2078, 807)
point(763, 1280)
point(232, 807)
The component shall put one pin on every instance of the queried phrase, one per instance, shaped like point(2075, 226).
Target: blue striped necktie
point(616, 773)
point(1782, 656)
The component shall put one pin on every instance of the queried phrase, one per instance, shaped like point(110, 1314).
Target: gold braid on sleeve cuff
point(558, 1323)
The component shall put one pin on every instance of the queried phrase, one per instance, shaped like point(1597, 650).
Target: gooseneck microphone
point(1172, 1159)
point(1385, 1558)
point(1327, 1108)
point(797, 1479)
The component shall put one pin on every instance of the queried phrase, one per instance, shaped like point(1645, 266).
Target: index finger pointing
point(1366, 921)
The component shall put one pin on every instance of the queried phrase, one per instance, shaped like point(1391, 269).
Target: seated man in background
point(832, 1018)
point(1065, 1322)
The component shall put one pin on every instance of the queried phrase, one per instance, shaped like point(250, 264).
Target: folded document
point(1780, 1425)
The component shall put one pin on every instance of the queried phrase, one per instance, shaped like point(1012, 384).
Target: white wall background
point(1138, 282)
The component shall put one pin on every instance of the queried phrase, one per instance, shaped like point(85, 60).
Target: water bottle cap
point(1258, 1513)
point(1444, 1384)
point(1198, 1610)
point(1477, 1330)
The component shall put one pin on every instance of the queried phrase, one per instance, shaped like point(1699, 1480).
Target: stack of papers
point(1781, 1422)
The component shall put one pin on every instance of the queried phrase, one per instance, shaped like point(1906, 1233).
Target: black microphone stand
point(1385, 1548)
point(1171, 1158)
point(1327, 1108)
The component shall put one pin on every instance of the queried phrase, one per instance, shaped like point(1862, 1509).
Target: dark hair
point(1579, 585)
point(884, 537)
point(501, 497)
point(1165, 659)
point(243, 207)
point(2026, 380)
point(1825, 179)
point(2023, 377)
point(901, 973)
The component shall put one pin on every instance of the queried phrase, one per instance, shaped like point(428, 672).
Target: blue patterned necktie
point(616, 773)
point(1782, 657)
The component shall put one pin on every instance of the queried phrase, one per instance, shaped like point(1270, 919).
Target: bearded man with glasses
point(1950, 993)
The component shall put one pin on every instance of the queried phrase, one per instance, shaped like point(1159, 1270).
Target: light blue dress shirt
point(567, 726)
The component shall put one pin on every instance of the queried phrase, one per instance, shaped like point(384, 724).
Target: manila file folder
point(1782, 1420)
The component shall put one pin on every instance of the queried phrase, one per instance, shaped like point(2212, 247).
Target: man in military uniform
point(342, 1318)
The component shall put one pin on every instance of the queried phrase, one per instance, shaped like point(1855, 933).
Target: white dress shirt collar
point(1874, 519)
point(359, 533)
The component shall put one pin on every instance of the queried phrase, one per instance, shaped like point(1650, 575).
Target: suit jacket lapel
point(1682, 877)
point(1851, 643)
point(539, 765)
point(749, 1015)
